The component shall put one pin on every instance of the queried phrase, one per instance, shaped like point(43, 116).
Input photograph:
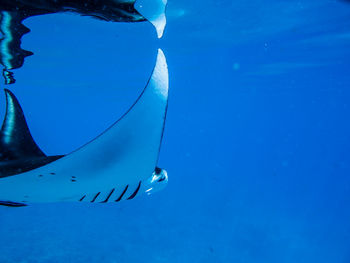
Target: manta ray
point(119, 164)
point(13, 12)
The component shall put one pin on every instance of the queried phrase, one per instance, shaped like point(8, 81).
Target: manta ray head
point(157, 181)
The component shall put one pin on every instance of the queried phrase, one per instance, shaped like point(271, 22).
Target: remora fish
point(13, 12)
point(117, 165)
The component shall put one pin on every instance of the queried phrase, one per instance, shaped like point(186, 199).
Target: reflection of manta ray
point(13, 12)
point(119, 164)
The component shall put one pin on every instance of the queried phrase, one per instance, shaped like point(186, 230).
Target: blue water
point(257, 139)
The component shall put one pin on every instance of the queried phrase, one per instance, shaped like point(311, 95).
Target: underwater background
point(256, 145)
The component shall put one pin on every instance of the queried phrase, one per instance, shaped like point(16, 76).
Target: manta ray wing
point(154, 12)
point(111, 167)
point(16, 142)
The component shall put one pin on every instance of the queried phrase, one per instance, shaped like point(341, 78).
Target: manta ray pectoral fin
point(129, 149)
point(113, 166)
point(16, 142)
point(154, 12)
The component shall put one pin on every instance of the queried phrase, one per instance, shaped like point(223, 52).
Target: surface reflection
point(13, 12)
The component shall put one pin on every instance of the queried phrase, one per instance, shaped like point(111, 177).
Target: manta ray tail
point(16, 142)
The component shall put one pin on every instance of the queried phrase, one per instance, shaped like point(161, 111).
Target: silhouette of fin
point(16, 142)
point(11, 204)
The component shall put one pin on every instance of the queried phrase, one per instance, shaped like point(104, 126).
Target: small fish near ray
point(13, 12)
point(119, 164)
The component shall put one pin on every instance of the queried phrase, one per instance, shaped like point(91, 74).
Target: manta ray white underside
point(117, 165)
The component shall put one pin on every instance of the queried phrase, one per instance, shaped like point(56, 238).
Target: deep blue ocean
point(256, 144)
